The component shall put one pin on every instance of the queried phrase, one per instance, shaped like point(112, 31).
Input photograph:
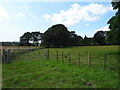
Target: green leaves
point(114, 33)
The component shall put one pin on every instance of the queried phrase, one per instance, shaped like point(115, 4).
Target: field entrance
point(23, 54)
point(28, 55)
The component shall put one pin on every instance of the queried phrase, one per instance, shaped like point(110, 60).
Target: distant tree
point(87, 41)
point(35, 37)
point(99, 37)
point(25, 39)
point(75, 39)
point(10, 43)
point(114, 25)
point(56, 36)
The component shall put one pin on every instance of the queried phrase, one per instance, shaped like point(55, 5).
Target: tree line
point(59, 36)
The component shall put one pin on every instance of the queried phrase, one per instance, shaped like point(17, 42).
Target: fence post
point(8, 56)
point(4, 56)
point(104, 61)
point(69, 58)
point(3, 51)
point(0, 56)
point(79, 59)
point(62, 58)
point(57, 55)
point(45, 56)
point(89, 62)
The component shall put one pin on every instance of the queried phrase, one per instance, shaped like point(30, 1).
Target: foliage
point(10, 43)
point(36, 37)
point(75, 39)
point(56, 36)
point(99, 37)
point(27, 37)
point(59, 36)
point(87, 41)
point(113, 35)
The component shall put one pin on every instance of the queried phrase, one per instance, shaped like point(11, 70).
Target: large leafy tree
point(113, 37)
point(56, 36)
point(35, 37)
point(114, 33)
point(25, 39)
point(99, 37)
point(75, 39)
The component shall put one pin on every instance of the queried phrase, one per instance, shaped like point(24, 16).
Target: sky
point(85, 18)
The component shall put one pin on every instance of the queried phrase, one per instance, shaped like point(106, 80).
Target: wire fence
point(104, 61)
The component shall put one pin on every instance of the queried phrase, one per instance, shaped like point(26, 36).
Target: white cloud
point(21, 14)
point(105, 28)
point(87, 24)
point(76, 13)
point(3, 13)
point(98, 9)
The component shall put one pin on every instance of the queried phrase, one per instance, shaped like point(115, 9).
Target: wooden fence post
point(89, 62)
point(8, 56)
point(3, 55)
point(104, 61)
point(62, 58)
point(45, 54)
point(69, 58)
point(57, 55)
point(79, 59)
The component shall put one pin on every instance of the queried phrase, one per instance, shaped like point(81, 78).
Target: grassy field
point(43, 73)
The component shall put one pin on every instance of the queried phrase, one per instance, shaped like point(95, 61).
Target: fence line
point(9, 54)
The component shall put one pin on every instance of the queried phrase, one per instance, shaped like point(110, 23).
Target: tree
point(56, 36)
point(75, 39)
point(25, 38)
point(99, 37)
point(35, 37)
point(87, 41)
point(113, 37)
point(114, 33)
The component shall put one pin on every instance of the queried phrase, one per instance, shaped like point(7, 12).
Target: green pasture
point(34, 70)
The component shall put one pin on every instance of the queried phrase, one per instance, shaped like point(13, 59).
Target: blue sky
point(85, 18)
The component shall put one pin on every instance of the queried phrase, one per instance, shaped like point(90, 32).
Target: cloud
point(76, 13)
point(87, 24)
point(105, 28)
point(3, 13)
point(21, 14)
